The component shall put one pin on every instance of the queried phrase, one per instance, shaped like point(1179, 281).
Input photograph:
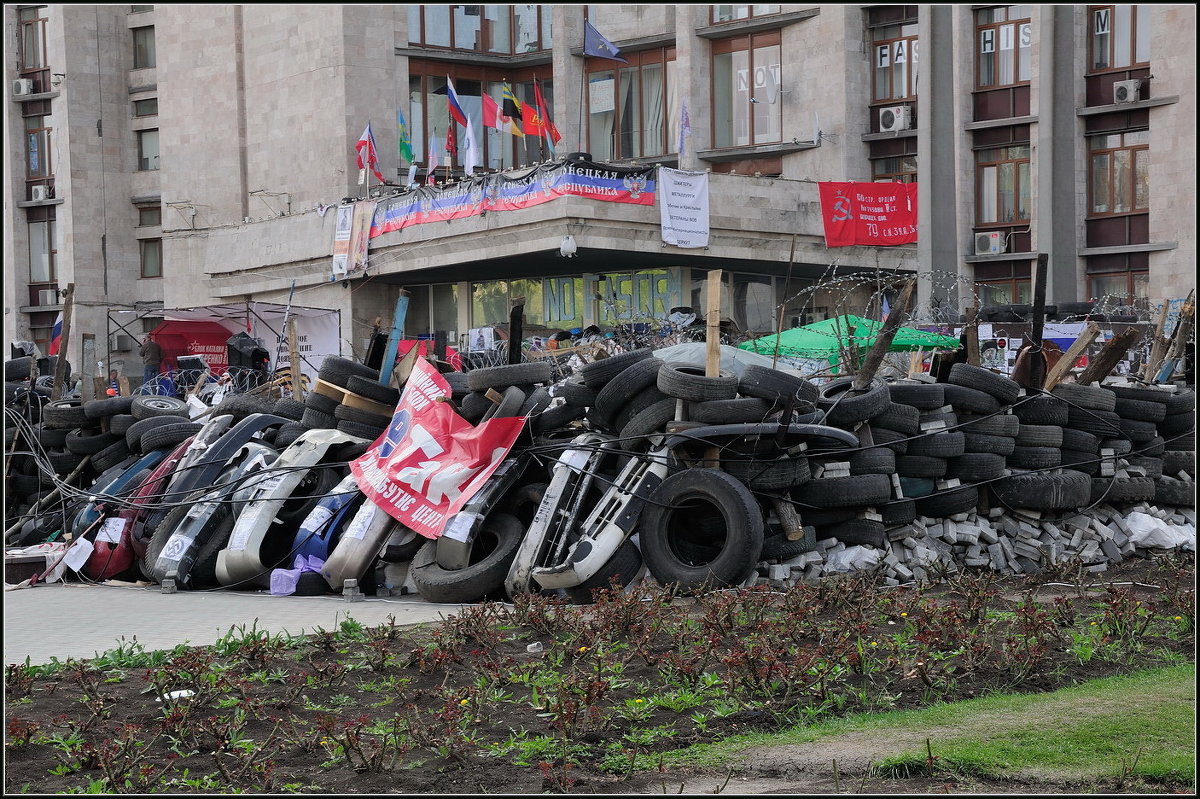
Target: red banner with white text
point(430, 461)
point(869, 213)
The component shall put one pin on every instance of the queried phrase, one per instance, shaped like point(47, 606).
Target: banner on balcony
point(541, 184)
point(430, 461)
point(683, 200)
point(868, 213)
point(351, 231)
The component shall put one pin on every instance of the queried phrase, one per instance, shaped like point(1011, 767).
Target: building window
point(894, 62)
point(746, 90)
point(1004, 292)
point(140, 9)
point(1119, 169)
point(37, 148)
point(507, 30)
point(629, 107)
point(734, 13)
point(1121, 289)
point(143, 48)
point(1120, 36)
point(902, 169)
point(43, 255)
point(428, 117)
point(1002, 185)
point(149, 215)
point(1004, 36)
point(145, 108)
point(151, 257)
point(32, 52)
point(147, 150)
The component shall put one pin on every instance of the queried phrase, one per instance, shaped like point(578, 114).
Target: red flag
point(868, 213)
point(367, 156)
point(551, 132)
point(451, 146)
point(491, 114)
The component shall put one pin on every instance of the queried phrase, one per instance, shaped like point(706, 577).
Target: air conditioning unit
point(121, 343)
point(1127, 91)
point(42, 193)
point(895, 117)
point(47, 296)
point(989, 243)
point(22, 86)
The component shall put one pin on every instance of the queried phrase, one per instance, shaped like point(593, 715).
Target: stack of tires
point(521, 389)
point(1161, 424)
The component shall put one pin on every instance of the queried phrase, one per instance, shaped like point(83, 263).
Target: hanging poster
point(341, 240)
point(360, 235)
point(683, 200)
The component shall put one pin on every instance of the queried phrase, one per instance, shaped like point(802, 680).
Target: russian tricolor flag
point(56, 335)
point(456, 109)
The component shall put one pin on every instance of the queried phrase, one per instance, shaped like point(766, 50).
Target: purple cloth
point(283, 581)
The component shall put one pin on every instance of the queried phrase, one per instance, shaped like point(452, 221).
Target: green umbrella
point(830, 337)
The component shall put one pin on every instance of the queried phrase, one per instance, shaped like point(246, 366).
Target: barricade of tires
point(631, 467)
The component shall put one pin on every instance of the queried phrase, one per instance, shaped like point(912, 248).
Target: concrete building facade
point(176, 156)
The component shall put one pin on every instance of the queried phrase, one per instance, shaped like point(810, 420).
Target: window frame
point(981, 166)
point(911, 62)
point(39, 24)
point(1131, 276)
point(45, 150)
point(51, 254)
point(748, 44)
point(142, 209)
point(1133, 149)
point(995, 27)
point(662, 57)
point(543, 40)
point(139, 48)
point(143, 244)
point(1092, 24)
point(751, 13)
point(1020, 290)
point(142, 158)
point(153, 113)
point(895, 176)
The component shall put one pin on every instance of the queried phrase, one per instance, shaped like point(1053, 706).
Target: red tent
point(193, 337)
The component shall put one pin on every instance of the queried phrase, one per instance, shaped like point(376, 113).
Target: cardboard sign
point(430, 461)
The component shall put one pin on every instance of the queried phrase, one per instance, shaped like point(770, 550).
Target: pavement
point(82, 620)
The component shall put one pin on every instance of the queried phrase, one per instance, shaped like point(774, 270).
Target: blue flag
point(594, 44)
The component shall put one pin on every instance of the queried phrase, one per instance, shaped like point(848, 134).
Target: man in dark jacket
point(152, 355)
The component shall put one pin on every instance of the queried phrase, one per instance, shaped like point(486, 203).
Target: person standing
point(152, 355)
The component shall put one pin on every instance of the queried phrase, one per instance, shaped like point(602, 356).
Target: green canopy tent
point(829, 339)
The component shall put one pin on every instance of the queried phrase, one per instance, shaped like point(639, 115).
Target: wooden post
point(60, 367)
point(972, 333)
point(1158, 350)
point(403, 369)
point(123, 384)
point(293, 341)
point(1187, 316)
point(783, 305)
point(393, 344)
point(1037, 322)
point(516, 329)
point(712, 322)
point(1072, 354)
point(96, 388)
point(884, 340)
point(915, 360)
point(1109, 357)
point(712, 349)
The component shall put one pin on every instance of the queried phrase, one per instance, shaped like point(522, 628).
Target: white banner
point(683, 201)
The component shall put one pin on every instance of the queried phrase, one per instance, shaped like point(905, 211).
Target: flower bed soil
point(467, 707)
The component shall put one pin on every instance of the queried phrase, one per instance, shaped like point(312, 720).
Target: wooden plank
point(123, 385)
point(352, 400)
point(783, 305)
point(1103, 364)
point(1037, 323)
point(1072, 354)
point(915, 360)
point(972, 335)
point(393, 344)
point(884, 340)
point(293, 342)
point(1158, 350)
point(60, 367)
point(403, 369)
point(712, 321)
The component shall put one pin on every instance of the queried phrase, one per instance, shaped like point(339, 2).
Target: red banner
point(869, 213)
point(430, 461)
